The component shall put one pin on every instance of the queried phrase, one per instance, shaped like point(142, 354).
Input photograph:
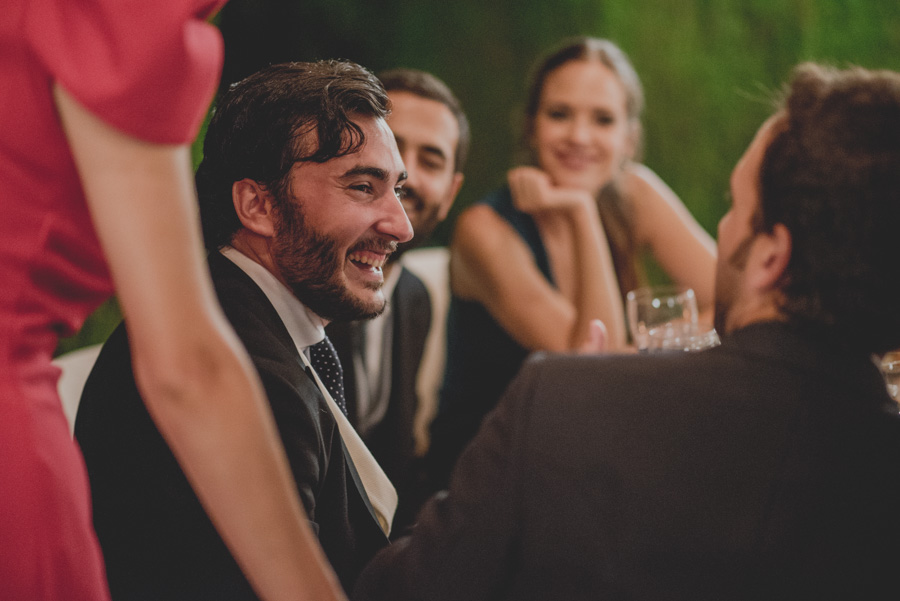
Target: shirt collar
point(305, 327)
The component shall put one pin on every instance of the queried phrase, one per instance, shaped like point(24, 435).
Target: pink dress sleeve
point(147, 67)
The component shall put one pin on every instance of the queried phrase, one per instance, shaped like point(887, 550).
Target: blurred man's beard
point(727, 279)
point(423, 231)
point(310, 264)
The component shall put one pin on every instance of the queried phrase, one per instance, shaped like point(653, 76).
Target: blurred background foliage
point(710, 69)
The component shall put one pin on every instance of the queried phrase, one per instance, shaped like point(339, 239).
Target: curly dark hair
point(260, 126)
point(831, 175)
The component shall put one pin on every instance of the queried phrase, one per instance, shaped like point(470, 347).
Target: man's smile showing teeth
point(374, 260)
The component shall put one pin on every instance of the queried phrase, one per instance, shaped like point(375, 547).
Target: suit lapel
point(241, 298)
point(238, 294)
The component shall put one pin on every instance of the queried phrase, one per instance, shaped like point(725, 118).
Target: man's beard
point(309, 262)
point(423, 231)
point(727, 282)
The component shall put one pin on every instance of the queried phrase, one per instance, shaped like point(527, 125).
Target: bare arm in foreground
point(192, 371)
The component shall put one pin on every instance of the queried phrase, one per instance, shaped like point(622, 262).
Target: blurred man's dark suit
point(156, 538)
point(766, 468)
point(391, 440)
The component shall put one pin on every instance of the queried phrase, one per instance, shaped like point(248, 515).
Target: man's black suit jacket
point(391, 441)
point(766, 468)
point(157, 541)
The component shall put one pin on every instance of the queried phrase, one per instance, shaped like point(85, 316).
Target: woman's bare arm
point(192, 371)
point(681, 246)
point(491, 264)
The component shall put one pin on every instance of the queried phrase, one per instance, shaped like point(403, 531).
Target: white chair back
point(431, 265)
point(76, 366)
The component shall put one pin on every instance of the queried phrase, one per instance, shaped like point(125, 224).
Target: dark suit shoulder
point(249, 311)
point(411, 298)
point(411, 285)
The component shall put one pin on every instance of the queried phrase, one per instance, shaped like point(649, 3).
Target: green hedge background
point(710, 69)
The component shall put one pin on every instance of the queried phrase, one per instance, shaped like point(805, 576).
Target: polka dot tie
point(324, 360)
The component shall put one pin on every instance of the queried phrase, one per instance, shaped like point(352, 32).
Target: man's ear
point(770, 257)
point(254, 207)
point(451, 195)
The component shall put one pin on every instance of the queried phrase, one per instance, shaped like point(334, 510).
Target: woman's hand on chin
point(533, 192)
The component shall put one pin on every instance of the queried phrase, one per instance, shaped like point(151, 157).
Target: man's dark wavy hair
point(260, 129)
point(831, 175)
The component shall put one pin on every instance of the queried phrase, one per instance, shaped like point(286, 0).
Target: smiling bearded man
point(299, 193)
point(311, 261)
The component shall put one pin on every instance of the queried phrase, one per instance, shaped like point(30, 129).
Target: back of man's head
point(260, 129)
point(831, 175)
point(428, 86)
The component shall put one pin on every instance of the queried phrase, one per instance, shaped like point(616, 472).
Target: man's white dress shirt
point(306, 328)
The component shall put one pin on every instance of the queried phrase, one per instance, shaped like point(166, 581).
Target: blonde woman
point(534, 263)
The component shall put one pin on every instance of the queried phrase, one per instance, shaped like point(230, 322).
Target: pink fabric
point(149, 69)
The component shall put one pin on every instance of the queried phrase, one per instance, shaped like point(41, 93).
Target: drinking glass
point(660, 316)
point(691, 342)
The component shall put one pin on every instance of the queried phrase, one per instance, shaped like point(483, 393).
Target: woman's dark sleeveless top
point(482, 358)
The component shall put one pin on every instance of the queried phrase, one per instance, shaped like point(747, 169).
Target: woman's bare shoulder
point(481, 227)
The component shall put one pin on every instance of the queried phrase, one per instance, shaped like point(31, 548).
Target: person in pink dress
point(99, 102)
